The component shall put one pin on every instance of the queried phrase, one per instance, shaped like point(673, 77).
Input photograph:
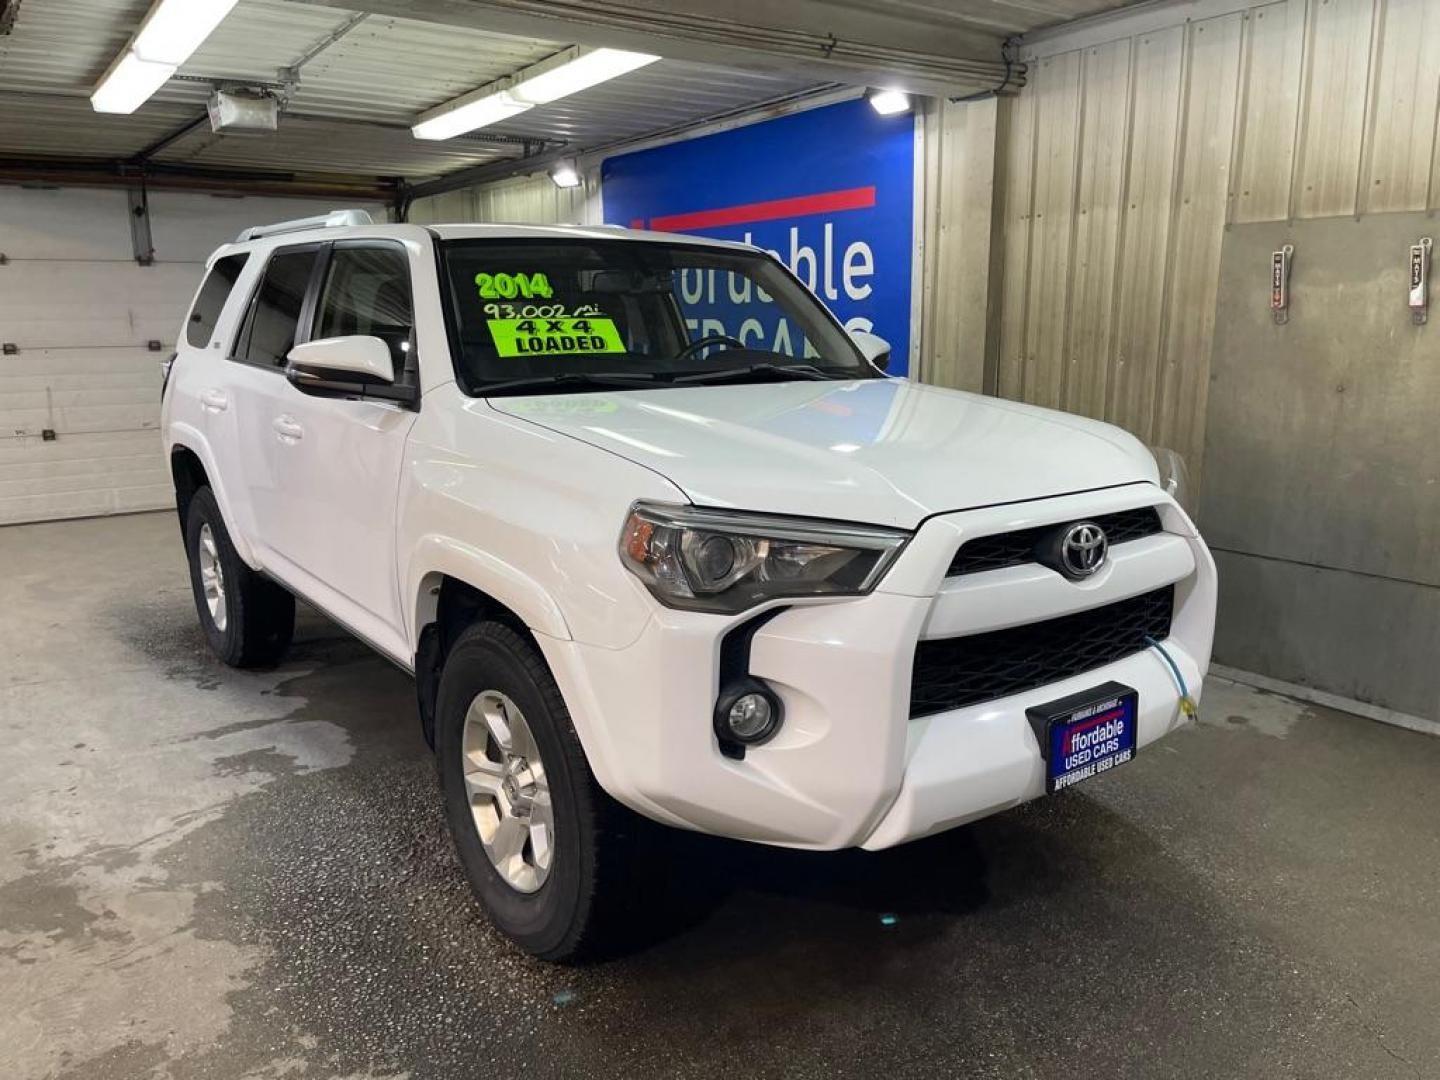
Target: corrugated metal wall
point(80, 391)
point(959, 264)
point(527, 200)
point(1135, 142)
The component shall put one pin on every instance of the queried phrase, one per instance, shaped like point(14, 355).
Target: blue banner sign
point(830, 192)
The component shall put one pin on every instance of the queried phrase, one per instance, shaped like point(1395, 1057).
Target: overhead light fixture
point(129, 83)
point(572, 76)
point(565, 174)
point(171, 32)
point(889, 102)
point(176, 28)
point(573, 71)
point(467, 116)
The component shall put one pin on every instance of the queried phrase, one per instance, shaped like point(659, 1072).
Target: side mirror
point(873, 347)
point(357, 359)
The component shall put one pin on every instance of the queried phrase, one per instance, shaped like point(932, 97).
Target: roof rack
point(333, 220)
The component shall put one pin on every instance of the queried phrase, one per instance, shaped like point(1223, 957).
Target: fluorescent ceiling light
point(537, 85)
point(176, 28)
point(468, 115)
point(565, 174)
point(170, 33)
point(889, 102)
point(583, 72)
point(129, 84)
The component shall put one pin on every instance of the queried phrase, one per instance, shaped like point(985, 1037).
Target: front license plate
point(1086, 734)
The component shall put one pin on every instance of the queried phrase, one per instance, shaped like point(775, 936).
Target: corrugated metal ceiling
point(350, 110)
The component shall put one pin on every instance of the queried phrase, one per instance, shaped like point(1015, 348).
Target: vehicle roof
point(489, 231)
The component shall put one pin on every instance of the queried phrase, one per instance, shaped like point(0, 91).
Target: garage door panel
point(144, 391)
point(57, 505)
point(81, 475)
point(40, 470)
point(81, 313)
point(188, 228)
point(137, 474)
point(79, 419)
point(77, 224)
point(81, 363)
point(93, 447)
point(69, 305)
point(147, 381)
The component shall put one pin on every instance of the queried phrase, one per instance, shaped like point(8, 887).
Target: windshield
point(540, 316)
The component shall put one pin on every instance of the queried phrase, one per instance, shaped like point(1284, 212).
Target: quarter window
point(211, 301)
point(278, 302)
point(367, 291)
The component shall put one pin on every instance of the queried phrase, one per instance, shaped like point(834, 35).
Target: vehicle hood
point(883, 451)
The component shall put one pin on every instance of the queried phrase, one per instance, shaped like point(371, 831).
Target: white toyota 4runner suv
point(656, 535)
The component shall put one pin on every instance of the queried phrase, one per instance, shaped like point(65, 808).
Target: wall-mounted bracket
point(1280, 284)
point(140, 240)
point(1420, 281)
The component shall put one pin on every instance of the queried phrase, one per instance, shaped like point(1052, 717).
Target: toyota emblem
point(1082, 550)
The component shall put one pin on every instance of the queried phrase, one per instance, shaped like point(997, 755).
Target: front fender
point(435, 555)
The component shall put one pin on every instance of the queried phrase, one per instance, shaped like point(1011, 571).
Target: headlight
point(1174, 476)
point(717, 560)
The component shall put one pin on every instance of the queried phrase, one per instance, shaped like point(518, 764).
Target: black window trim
point(411, 370)
point(244, 257)
point(405, 392)
point(241, 340)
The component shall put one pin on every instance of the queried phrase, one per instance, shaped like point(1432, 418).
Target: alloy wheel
point(508, 791)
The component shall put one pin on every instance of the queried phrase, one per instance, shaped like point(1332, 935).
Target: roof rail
point(334, 219)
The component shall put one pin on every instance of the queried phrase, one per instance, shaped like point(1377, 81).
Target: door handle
point(288, 429)
point(214, 400)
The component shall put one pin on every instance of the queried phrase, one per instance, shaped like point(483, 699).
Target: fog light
point(747, 713)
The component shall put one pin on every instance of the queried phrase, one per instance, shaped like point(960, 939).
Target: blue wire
point(1179, 679)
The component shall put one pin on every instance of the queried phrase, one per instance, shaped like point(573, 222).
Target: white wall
point(523, 200)
point(81, 311)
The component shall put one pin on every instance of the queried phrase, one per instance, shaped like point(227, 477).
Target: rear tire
point(544, 848)
point(247, 618)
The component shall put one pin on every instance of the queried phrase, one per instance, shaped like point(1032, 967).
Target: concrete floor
point(209, 873)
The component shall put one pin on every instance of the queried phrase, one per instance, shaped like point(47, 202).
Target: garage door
point(85, 329)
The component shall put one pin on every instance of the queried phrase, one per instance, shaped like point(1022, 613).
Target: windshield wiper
point(605, 380)
point(798, 371)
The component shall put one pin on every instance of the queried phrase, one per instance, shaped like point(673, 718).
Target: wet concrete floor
point(211, 873)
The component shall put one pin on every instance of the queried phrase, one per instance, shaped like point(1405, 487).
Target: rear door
point(244, 409)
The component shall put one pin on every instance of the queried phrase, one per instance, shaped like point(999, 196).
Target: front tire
point(247, 618)
point(540, 843)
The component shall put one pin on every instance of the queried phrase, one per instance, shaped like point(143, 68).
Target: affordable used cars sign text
point(829, 191)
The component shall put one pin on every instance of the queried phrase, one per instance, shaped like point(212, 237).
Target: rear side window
point(367, 291)
point(211, 301)
point(275, 315)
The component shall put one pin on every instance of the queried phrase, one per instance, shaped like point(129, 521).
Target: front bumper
point(850, 767)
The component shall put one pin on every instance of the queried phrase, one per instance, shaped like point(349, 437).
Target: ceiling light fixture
point(573, 71)
point(171, 32)
point(565, 174)
point(129, 84)
point(482, 112)
point(889, 102)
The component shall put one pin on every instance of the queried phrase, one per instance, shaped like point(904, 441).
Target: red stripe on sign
point(828, 202)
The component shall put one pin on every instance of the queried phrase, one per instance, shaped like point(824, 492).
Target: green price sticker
point(538, 337)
